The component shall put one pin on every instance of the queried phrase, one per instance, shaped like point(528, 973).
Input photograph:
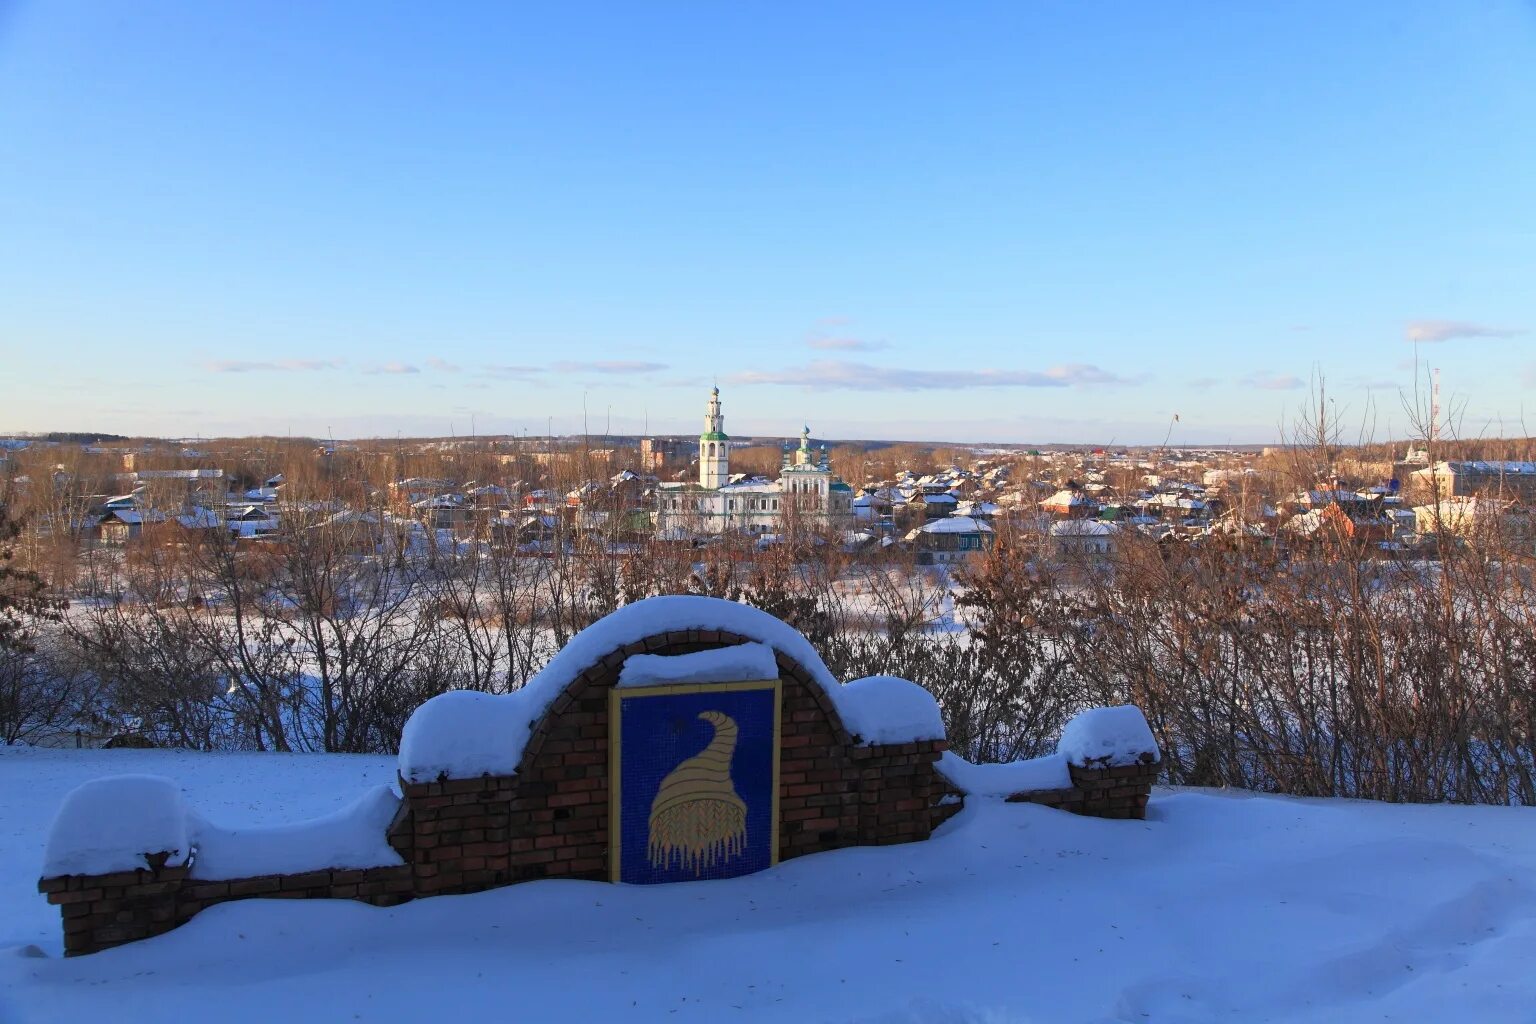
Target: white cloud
point(615, 366)
point(1450, 330)
point(442, 365)
point(504, 371)
point(847, 345)
point(1372, 383)
point(606, 367)
point(1266, 381)
point(393, 367)
point(847, 376)
point(276, 365)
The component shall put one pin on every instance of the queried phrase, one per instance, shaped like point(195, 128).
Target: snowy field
point(1221, 907)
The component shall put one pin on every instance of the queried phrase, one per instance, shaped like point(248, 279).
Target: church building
point(722, 503)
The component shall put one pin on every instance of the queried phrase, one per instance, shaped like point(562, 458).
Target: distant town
point(939, 504)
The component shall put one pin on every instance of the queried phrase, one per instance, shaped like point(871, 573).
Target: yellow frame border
point(618, 694)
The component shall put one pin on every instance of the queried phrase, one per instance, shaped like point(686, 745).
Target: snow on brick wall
point(461, 735)
point(738, 664)
point(353, 837)
point(109, 825)
point(888, 709)
point(1104, 737)
point(1004, 780)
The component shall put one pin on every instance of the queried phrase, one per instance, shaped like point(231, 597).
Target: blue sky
point(1016, 222)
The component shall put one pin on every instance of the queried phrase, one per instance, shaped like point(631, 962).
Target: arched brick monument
point(678, 738)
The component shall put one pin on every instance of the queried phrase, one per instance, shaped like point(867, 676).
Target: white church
point(721, 503)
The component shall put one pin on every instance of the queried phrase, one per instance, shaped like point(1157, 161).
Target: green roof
point(713, 435)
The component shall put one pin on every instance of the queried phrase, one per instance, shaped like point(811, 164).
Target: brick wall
point(1105, 792)
point(550, 820)
point(101, 911)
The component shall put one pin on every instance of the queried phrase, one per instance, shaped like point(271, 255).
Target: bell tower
point(714, 446)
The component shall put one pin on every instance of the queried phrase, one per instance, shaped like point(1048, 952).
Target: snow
point(462, 734)
point(741, 663)
point(108, 825)
point(1004, 780)
point(956, 524)
point(1083, 528)
point(1103, 737)
point(1064, 499)
point(353, 837)
point(1220, 907)
point(244, 790)
point(888, 709)
point(465, 733)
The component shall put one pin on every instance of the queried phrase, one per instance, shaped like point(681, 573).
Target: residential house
point(1070, 503)
point(1462, 479)
point(950, 540)
point(1082, 538)
point(1466, 516)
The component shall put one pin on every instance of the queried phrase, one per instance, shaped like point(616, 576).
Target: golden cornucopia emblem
point(697, 820)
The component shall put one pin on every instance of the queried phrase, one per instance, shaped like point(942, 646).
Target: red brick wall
point(1119, 792)
point(102, 911)
point(550, 820)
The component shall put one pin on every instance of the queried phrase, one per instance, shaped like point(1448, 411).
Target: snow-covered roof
point(1507, 467)
point(956, 524)
point(130, 517)
point(1065, 499)
point(754, 485)
point(200, 519)
point(440, 501)
point(176, 474)
point(1083, 528)
point(1307, 523)
point(1457, 509)
point(351, 517)
point(1177, 501)
point(1325, 497)
point(464, 733)
point(1232, 526)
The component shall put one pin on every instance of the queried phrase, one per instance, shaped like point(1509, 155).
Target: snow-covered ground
point(1220, 907)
